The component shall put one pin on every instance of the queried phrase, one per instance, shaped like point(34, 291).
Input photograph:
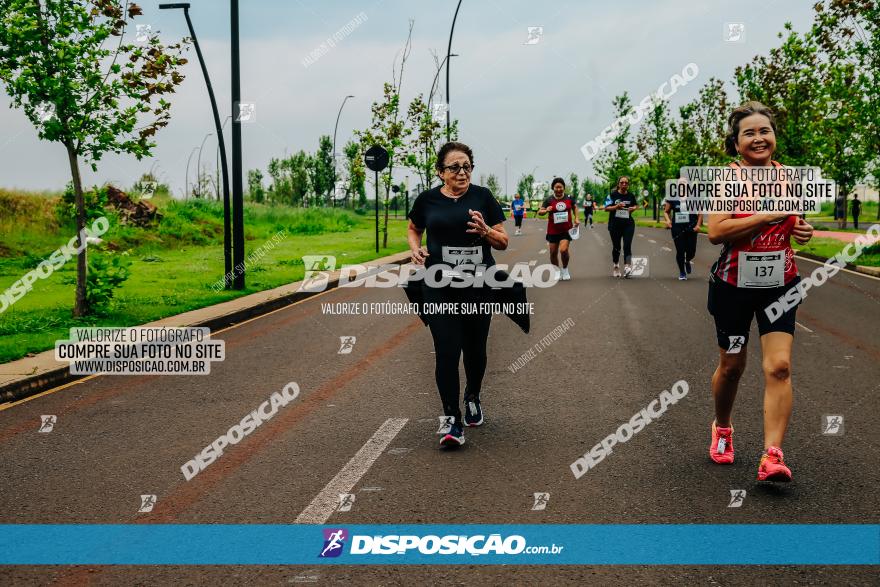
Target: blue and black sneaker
point(454, 438)
point(473, 413)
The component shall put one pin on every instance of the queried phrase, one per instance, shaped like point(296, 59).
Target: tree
point(573, 186)
point(387, 129)
point(493, 185)
point(356, 173)
point(322, 171)
point(428, 135)
point(654, 142)
point(91, 99)
point(618, 160)
point(525, 186)
point(255, 186)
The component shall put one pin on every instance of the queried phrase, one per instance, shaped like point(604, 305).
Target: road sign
point(376, 158)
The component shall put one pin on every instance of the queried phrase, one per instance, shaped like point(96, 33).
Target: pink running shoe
point(772, 467)
point(721, 449)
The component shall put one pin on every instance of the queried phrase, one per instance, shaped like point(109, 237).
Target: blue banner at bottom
point(253, 544)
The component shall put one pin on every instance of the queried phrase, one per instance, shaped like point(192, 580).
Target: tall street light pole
point(227, 246)
point(237, 185)
point(334, 145)
point(199, 164)
point(448, 53)
point(217, 183)
point(186, 180)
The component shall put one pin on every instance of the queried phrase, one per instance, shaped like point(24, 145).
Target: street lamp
point(334, 145)
point(199, 164)
point(186, 180)
point(217, 167)
point(448, 53)
point(227, 254)
point(437, 76)
point(237, 186)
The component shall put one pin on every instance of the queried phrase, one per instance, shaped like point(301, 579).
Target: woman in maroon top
point(562, 218)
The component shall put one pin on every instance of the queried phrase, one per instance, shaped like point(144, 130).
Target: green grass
point(173, 266)
point(828, 247)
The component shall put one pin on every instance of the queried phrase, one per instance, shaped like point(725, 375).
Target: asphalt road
point(118, 437)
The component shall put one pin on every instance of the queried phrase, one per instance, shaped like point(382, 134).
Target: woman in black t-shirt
point(620, 205)
point(464, 223)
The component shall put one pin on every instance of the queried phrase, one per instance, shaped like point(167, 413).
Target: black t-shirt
point(675, 204)
point(616, 198)
point(588, 205)
point(856, 207)
point(446, 222)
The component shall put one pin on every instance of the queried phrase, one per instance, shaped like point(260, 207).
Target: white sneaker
point(615, 271)
point(627, 271)
point(565, 274)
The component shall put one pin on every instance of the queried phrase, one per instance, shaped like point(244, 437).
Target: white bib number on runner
point(765, 269)
point(621, 214)
point(463, 255)
point(560, 217)
point(682, 217)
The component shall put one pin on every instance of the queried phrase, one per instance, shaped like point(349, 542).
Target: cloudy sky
point(534, 104)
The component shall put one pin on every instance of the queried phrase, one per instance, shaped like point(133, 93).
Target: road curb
point(34, 384)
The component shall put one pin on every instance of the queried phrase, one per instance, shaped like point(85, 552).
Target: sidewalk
point(31, 375)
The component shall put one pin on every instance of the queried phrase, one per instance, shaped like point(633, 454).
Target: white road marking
point(542, 251)
point(532, 263)
point(650, 240)
point(666, 249)
point(326, 502)
point(802, 326)
point(641, 235)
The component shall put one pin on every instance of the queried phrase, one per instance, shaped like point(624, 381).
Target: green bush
point(95, 199)
point(106, 273)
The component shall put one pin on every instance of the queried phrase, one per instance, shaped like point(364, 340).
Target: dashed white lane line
point(650, 240)
point(542, 251)
point(802, 326)
point(326, 502)
point(667, 249)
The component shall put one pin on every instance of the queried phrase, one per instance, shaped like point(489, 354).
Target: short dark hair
point(557, 180)
point(450, 147)
point(742, 111)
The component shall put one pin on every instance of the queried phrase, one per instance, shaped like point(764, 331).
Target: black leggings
point(589, 216)
point(518, 220)
point(685, 240)
point(622, 231)
point(456, 335)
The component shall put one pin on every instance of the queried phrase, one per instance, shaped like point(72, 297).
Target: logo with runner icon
point(446, 423)
point(832, 425)
point(318, 268)
point(541, 501)
point(639, 267)
point(737, 497)
point(47, 423)
point(735, 345)
point(334, 541)
point(148, 502)
point(346, 344)
point(346, 500)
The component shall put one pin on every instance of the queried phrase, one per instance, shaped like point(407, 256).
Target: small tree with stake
point(90, 98)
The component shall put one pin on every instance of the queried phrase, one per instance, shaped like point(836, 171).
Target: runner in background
point(685, 228)
point(589, 207)
point(562, 218)
point(756, 267)
point(856, 208)
point(518, 206)
point(620, 205)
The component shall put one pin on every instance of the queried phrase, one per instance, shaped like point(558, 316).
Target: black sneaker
point(454, 438)
point(687, 267)
point(473, 413)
